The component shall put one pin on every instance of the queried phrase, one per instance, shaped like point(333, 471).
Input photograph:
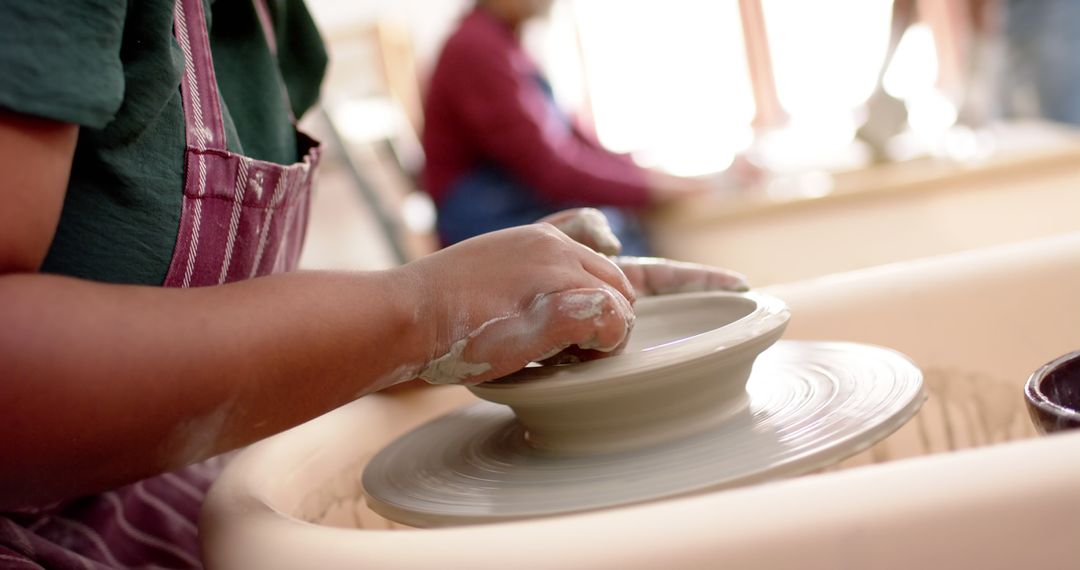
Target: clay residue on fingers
point(590, 227)
point(517, 333)
point(582, 306)
point(452, 368)
point(591, 305)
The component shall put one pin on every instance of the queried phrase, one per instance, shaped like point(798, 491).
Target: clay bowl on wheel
point(695, 403)
point(685, 365)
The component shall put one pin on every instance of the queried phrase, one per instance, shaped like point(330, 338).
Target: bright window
point(826, 53)
point(667, 80)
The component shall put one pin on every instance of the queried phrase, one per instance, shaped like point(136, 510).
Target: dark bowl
point(1052, 394)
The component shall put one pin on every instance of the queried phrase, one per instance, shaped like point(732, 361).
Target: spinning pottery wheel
point(678, 412)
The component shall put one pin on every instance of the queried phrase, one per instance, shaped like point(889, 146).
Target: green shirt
point(113, 67)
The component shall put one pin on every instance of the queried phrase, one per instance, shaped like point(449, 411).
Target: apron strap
point(267, 23)
point(202, 105)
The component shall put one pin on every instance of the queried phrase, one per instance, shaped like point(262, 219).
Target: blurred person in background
point(500, 152)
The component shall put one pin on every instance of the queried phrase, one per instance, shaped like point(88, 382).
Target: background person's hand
point(741, 176)
point(666, 188)
point(492, 304)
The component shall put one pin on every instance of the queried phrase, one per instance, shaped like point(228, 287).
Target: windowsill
point(1047, 155)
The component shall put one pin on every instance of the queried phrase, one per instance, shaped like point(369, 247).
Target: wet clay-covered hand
point(587, 226)
point(648, 275)
point(492, 304)
point(657, 276)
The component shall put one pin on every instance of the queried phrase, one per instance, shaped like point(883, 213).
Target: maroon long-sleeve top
point(486, 106)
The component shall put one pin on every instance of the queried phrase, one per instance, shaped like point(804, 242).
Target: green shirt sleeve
point(60, 59)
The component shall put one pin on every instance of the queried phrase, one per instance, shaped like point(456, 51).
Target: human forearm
point(134, 380)
point(106, 384)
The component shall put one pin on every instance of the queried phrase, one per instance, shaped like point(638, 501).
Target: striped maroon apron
point(241, 218)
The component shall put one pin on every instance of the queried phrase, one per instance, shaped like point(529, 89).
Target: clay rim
point(768, 318)
point(1035, 396)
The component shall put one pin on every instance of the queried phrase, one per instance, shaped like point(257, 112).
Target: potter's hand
point(648, 275)
point(656, 276)
point(494, 303)
point(587, 226)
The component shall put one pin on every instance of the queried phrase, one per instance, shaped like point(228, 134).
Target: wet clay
point(451, 368)
point(589, 226)
point(507, 332)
